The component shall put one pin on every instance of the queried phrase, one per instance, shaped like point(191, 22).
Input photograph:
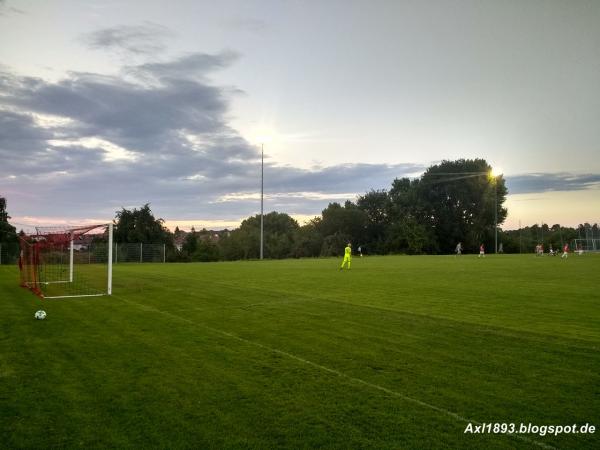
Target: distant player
point(565, 251)
point(458, 249)
point(360, 251)
point(347, 256)
point(481, 251)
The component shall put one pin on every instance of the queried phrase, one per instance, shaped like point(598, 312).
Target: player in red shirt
point(565, 251)
point(481, 251)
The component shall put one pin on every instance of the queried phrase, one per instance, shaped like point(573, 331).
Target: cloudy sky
point(112, 104)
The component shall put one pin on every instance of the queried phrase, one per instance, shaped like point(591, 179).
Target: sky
point(112, 104)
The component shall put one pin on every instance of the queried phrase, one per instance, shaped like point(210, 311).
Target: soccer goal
point(68, 261)
point(587, 245)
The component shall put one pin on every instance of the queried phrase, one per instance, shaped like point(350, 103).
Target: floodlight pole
point(110, 258)
point(496, 214)
point(71, 255)
point(262, 185)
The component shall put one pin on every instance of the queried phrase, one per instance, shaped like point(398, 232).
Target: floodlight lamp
point(495, 172)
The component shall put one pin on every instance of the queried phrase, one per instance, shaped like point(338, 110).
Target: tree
point(279, 233)
point(240, 244)
point(347, 222)
point(8, 236)
point(140, 225)
point(377, 207)
point(461, 201)
point(307, 240)
point(190, 244)
point(407, 235)
point(206, 251)
point(334, 244)
point(8, 233)
point(525, 239)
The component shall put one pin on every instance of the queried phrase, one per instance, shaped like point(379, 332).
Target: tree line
point(554, 236)
point(451, 202)
point(454, 201)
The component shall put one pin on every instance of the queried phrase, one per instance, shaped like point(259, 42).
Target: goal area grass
point(398, 352)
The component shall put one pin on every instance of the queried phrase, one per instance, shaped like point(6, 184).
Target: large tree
point(307, 240)
point(462, 201)
point(377, 207)
point(279, 232)
point(340, 225)
point(409, 230)
point(140, 225)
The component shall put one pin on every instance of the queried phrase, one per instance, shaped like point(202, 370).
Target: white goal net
point(61, 262)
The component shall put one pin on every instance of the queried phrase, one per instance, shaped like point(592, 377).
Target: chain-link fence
point(586, 245)
point(139, 252)
point(9, 252)
point(122, 253)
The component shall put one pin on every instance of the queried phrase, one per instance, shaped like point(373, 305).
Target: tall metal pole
point(496, 214)
point(262, 185)
point(110, 258)
point(71, 258)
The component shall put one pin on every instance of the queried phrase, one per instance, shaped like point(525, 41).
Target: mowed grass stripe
point(453, 288)
point(337, 373)
point(545, 370)
point(485, 367)
point(168, 377)
point(163, 400)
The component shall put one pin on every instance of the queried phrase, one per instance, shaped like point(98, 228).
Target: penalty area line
point(343, 375)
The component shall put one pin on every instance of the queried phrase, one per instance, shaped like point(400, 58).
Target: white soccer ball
point(40, 315)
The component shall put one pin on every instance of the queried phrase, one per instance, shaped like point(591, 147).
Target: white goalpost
point(68, 262)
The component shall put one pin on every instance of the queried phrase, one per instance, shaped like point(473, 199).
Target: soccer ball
point(40, 315)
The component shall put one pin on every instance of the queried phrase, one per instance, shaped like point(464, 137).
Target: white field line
point(388, 391)
point(245, 307)
point(73, 296)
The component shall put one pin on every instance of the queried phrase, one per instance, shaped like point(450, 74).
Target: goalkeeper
point(347, 256)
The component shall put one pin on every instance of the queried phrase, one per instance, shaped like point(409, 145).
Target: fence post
point(71, 257)
point(164, 253)
point(0, 253)
point(141, 252)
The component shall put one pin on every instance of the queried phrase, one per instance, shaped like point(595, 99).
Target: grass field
point(399, 352)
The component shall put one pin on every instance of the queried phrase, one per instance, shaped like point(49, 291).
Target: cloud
point(545, 182)
point(248, 24)
point(88, 144)
point(193, 66)
point(6, 10)
point(145, 39)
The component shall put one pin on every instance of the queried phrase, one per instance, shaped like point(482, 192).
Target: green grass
point(296, 354)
